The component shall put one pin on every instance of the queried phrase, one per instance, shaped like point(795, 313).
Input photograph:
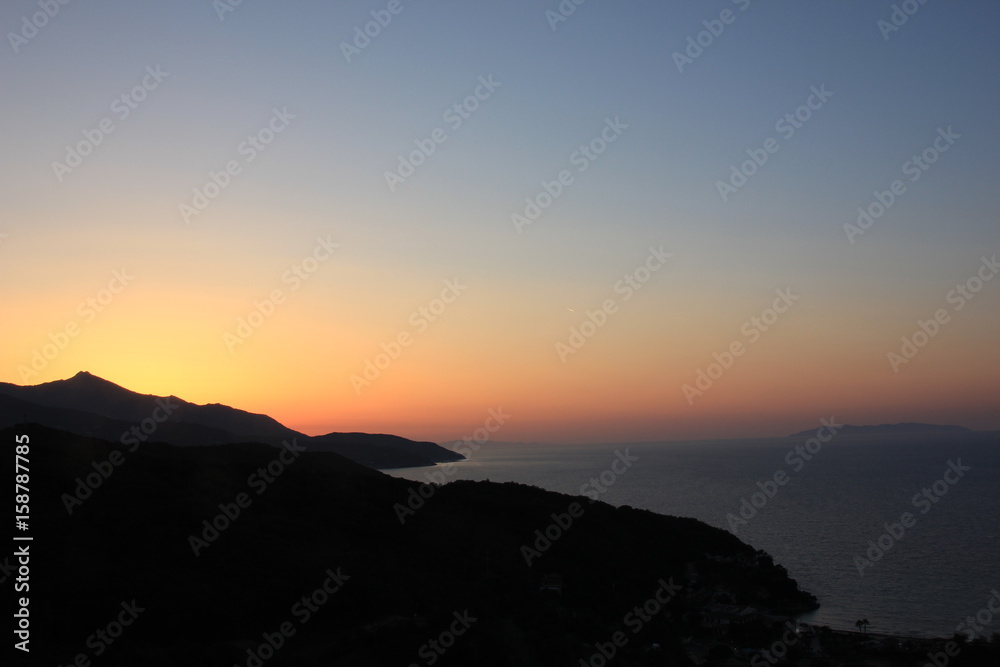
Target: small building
point(725, 616)
point(552, 583)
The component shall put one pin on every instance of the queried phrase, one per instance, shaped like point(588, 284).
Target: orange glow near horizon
point(487, 351)
point(618, 387)
point(494, 346)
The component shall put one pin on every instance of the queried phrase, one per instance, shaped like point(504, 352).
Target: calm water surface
point(940, 571)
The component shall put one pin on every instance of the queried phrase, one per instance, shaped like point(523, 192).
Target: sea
point(902, 530)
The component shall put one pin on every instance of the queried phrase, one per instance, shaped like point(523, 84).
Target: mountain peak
point(86, 379)
point(86, 376)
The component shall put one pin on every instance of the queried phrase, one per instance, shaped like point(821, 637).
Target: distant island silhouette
point(889, 429)
point(94, 407)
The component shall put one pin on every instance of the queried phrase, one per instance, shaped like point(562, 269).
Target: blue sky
point(656, 184)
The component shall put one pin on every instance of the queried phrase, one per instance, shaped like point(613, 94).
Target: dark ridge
point(91, 406)
point(460, 549)
point(383, 451)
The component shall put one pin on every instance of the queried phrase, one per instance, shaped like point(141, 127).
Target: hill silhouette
point(322, 515)
point(92, 406)
point(903, 428)
point(88, 393)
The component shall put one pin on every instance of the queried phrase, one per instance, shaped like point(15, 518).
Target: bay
point(833, 518)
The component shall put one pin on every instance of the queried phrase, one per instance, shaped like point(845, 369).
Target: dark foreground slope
point(319, 519)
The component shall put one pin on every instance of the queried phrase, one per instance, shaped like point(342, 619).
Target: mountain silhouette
point(89, 393)
point(903, 428)
point(91, 406)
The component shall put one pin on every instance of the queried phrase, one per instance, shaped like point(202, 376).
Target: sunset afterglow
point(561, 222)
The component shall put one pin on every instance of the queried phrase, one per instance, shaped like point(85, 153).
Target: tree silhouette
point(863, 626)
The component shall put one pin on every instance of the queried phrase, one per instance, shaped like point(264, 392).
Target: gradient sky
point(323, 176)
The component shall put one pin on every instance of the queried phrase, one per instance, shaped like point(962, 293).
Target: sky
point(612, 221)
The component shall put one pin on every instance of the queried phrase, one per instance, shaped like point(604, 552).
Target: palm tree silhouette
point(863, 626)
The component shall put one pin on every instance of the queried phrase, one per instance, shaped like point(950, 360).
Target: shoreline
point(873, 636)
